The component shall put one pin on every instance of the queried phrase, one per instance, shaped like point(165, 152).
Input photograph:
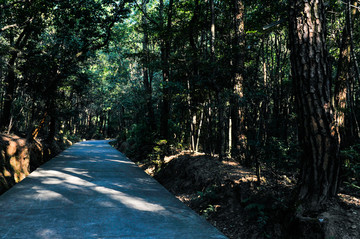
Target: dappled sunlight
point(78, 179)
point(63, 178)
point(107, 204)
point(349, 200)
point(83, 173)
point(120, 161)
point(47, 195)
point(47, 233)
point(52, 181)
point(130, 201)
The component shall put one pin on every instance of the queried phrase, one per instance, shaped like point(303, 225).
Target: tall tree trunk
point(192, 120)
point(239, 48)
point(221, 125)
point(122, 124)
point(212, 30)
point(209, 147)
point(194, 75)
point(10, 78)
point(9, 92)
point(351, 119)
point(350, 29)
point(146, 78)
point(312, 77)
point(52, 128)
point(165, 53)
point(219, 95)
point(342, 80)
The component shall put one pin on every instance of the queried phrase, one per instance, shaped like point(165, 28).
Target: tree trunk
point(52, 129)
point(9, 92)
point(199, 130)
point(350, 29)
point(146, 78)
point(342, 80)
point(221, 126)
point(318, 134)
point(345, 118)
point(35, 133)
point(10, 83)
point(237, 110)
point(165, 53)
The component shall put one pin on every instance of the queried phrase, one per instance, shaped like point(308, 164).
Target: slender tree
point(147, 78)
point(239, 60)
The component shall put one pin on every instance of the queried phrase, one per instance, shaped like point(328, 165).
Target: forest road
point(93, 191)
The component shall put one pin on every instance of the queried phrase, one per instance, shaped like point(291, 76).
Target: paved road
point(92, 191)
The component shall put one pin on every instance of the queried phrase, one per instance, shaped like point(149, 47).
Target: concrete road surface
point(93, 191)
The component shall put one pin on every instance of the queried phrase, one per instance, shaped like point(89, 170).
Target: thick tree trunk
point(312, 77)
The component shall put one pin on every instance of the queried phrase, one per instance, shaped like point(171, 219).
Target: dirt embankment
point(19, 157)
point(229, 196)
point(14, 161)
point(226, 194)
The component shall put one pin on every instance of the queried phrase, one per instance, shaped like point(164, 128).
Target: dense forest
point(274, 85)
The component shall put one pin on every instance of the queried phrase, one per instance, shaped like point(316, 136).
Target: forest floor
point(230, 197)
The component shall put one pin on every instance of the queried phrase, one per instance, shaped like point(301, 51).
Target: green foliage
point(351, 166)
point(281, 155)
point(207, 198)
point(210, 193)
point(141, 140)
point(159, 150)
point(208, 211)
point(257, 211)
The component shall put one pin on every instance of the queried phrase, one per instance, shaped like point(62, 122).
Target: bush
point(142, 141)
point(351, 166)
point(280, 155)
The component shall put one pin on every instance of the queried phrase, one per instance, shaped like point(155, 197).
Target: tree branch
point(7, 27)
point(145, 14)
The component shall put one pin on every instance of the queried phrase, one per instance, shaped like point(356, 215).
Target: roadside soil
point(230, 197)
point(20, 156)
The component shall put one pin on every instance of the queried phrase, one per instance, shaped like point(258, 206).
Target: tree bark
point(10, 78)
point(146, 78)
point(9, 92)
point(239, 48)
point(342, 80)
point(165, 53)
point(318, 134)
point(221, 126)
